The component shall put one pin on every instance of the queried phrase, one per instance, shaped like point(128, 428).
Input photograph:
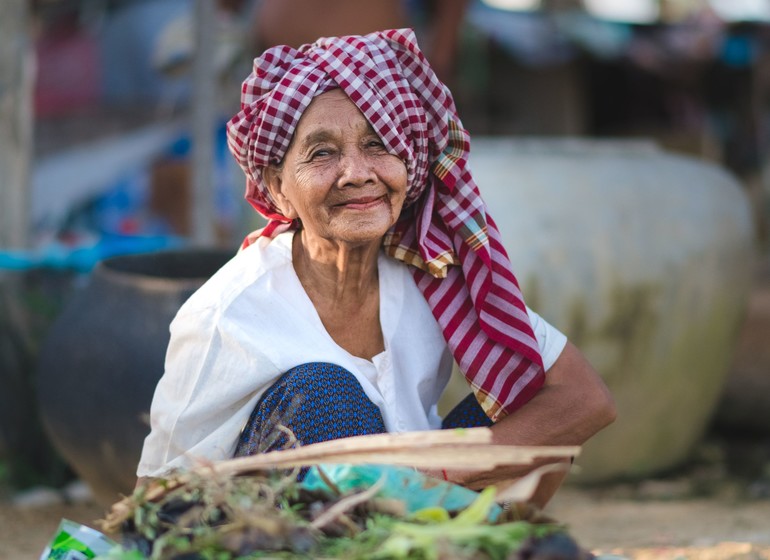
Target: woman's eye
point(320, 153)
point(375, 144)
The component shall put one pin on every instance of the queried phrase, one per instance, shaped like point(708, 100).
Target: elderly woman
point(379, 267)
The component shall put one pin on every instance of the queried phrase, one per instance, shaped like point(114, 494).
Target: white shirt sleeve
point(549, 338)
point(207, 391)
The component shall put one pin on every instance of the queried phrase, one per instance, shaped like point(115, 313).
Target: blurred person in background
point(296, 22)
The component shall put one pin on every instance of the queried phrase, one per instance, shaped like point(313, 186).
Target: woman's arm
point(573, 405)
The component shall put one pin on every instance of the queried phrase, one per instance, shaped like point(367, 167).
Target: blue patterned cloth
point(467, 414)
point(321, 402)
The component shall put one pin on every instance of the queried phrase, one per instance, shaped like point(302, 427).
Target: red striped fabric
point(444, 233)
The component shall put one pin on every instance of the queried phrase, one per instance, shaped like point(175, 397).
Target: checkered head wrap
point(444, 232)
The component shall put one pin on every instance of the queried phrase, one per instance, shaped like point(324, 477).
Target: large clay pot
point(29, 303)
point(643, 258)
point(103, 356)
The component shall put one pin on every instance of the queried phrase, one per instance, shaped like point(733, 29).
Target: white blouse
point(252, 321)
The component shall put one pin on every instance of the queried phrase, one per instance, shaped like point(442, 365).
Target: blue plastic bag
point(416, 490)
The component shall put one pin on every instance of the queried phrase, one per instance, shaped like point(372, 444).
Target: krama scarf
point(444, 232)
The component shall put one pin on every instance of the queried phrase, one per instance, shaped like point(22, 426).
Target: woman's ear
point(272, 175)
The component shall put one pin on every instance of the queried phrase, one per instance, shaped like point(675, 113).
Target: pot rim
point(104, 269)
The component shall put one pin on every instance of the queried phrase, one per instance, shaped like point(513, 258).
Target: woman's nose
point(356, 169)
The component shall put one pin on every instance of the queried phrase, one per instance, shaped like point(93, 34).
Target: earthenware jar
point(30, 299)
point(103, 356)
point(643, 258)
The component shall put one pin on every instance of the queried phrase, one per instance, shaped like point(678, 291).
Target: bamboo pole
point(16, 86)
point(449, 449)
point(204, 107)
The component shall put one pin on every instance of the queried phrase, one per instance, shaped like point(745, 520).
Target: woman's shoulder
point(244, 275)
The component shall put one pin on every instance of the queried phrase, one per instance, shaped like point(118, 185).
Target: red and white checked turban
point(444, 231)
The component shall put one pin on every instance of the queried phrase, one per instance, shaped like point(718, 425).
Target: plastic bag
point(74, 541)
point(416, 490)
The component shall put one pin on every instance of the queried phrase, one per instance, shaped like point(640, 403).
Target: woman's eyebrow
point(316, 136)
point(327, 134)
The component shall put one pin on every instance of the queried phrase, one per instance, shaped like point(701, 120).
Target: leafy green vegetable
point(273, 516)
point(465, 535)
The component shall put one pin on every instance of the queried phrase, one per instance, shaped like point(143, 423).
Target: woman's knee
point(312, 378)
point(313, 402)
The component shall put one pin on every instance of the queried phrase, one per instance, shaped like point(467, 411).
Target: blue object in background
point(739, 51)
point(83, 257)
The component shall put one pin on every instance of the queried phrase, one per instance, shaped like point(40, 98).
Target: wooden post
point(16, 86)
point(204, 110)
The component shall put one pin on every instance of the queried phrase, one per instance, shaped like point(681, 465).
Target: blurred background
point(112, 143)
point(115, 81)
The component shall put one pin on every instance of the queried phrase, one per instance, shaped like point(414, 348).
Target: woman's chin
point(364, 237)
point(361, 229)
point(361, 232)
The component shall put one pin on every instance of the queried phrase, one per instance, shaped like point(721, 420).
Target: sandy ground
point(696, 528)
point(605, 521)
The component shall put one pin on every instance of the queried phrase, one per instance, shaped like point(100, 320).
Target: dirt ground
point(656, 520)
point(715, 528)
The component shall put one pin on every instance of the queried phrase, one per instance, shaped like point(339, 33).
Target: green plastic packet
point(74, 541)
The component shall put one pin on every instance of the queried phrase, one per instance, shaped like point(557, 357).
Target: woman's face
point(337, 175)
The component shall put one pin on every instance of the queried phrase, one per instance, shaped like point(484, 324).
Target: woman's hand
point(573, 405)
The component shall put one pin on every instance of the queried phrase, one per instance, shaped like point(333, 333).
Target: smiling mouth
point(362, 202)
